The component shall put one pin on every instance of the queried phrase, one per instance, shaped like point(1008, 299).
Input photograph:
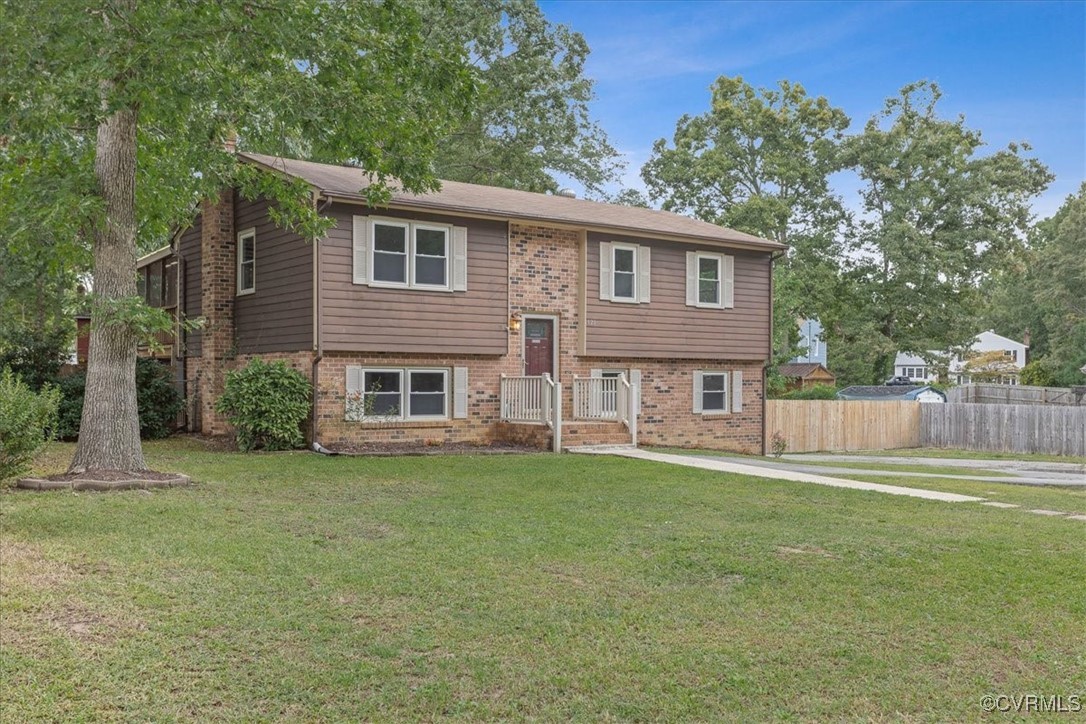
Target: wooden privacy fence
point(1051, 429)
point(1017, 395)
point(825, 425)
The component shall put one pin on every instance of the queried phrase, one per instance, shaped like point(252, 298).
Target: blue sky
point(1016, 70)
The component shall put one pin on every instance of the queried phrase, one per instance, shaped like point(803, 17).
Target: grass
point(291, 586)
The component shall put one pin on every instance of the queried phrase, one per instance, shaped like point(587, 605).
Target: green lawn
point(297, 587)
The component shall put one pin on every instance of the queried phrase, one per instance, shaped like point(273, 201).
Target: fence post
point(557, 391)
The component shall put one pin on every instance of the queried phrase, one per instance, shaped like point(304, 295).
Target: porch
point(602, 410)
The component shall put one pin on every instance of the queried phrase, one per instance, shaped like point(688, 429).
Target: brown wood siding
point(667, 328)
point(191, 298)
point(358, 318)
point(278, 316)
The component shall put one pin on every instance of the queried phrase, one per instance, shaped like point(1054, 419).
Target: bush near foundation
point(266, 402)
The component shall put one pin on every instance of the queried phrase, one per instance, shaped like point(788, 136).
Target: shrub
point(27, 419)
point(157, 401)
point(266, 402)
point(778, 444)
point(156, 398)
point(1036, 373)
point(817, 392)
point(35, 356)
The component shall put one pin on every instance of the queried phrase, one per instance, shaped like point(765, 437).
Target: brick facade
point(544, 276)
point(217, 289)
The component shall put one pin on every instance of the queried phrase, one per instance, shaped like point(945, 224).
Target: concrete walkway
point(1015, 466)
point(725, 465)
point(792, 463)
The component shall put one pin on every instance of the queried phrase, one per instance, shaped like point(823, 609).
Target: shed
point(920, 393)
point(801, 375)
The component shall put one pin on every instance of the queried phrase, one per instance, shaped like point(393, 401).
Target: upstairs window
point(710, 280)
point(624, 272)
point(431, 256)
point(246, 256)
point(390, 252)
point(409, 254)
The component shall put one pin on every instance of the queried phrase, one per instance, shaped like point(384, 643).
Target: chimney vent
point(567, 193)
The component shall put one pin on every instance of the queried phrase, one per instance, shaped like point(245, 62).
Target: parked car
point(900, 380)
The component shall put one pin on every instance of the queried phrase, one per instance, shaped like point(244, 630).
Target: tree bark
point(109, 431)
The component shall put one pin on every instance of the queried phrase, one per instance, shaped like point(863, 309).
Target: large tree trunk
point(109, 431)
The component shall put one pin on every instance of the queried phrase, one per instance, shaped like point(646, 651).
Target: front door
point(539, 347)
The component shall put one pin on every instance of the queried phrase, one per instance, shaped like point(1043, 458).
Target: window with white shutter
point(407, 254)
point(710, 280)
point(625, 272)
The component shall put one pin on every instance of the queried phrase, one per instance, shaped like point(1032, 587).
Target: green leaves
point(27, 419)
point(937, 219)
point(266, 402)
point(531, 120)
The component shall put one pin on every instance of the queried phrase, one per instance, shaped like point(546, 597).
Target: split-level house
point(474, 314)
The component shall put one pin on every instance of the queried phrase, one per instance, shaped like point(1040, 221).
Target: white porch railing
point(534, 401)
point(611, 399)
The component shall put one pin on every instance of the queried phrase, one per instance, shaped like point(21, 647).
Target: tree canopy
point(114, 116)
point(759, 161)
point(531, 121)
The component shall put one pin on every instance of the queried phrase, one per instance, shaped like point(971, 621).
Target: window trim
point(635, 249)
point(405, 394)
point(719, 259)
point(726, 392)
point(410, 250)
point(413, 255)
point(241, 237)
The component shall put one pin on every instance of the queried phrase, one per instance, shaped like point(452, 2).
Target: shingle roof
point(884, 392)
point(799, 369)
point(347, 182)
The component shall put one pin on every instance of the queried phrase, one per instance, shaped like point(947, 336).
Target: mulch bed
point(451, 448)
point(105, 480)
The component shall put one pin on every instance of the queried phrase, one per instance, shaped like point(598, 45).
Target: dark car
point(900, 380)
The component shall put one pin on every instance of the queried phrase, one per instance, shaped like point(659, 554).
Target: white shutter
point(460, 258)
point(737, 391)
point(697, 390)
point(460, 392)
point(360, 242)
point(605, 270)
point(729, 282)
point(354, 407)
point(635, 381)
point(644, 257)
point(691, 279)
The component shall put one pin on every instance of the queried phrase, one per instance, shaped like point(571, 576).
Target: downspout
point(765, 393)
point(318, 344)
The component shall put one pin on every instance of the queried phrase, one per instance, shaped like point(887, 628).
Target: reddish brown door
point(539, 347)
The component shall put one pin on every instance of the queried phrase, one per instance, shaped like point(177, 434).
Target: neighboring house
point(810, 339)
point(920, 393)
point(917, 369)
point(806, 374)
point(450, 316)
